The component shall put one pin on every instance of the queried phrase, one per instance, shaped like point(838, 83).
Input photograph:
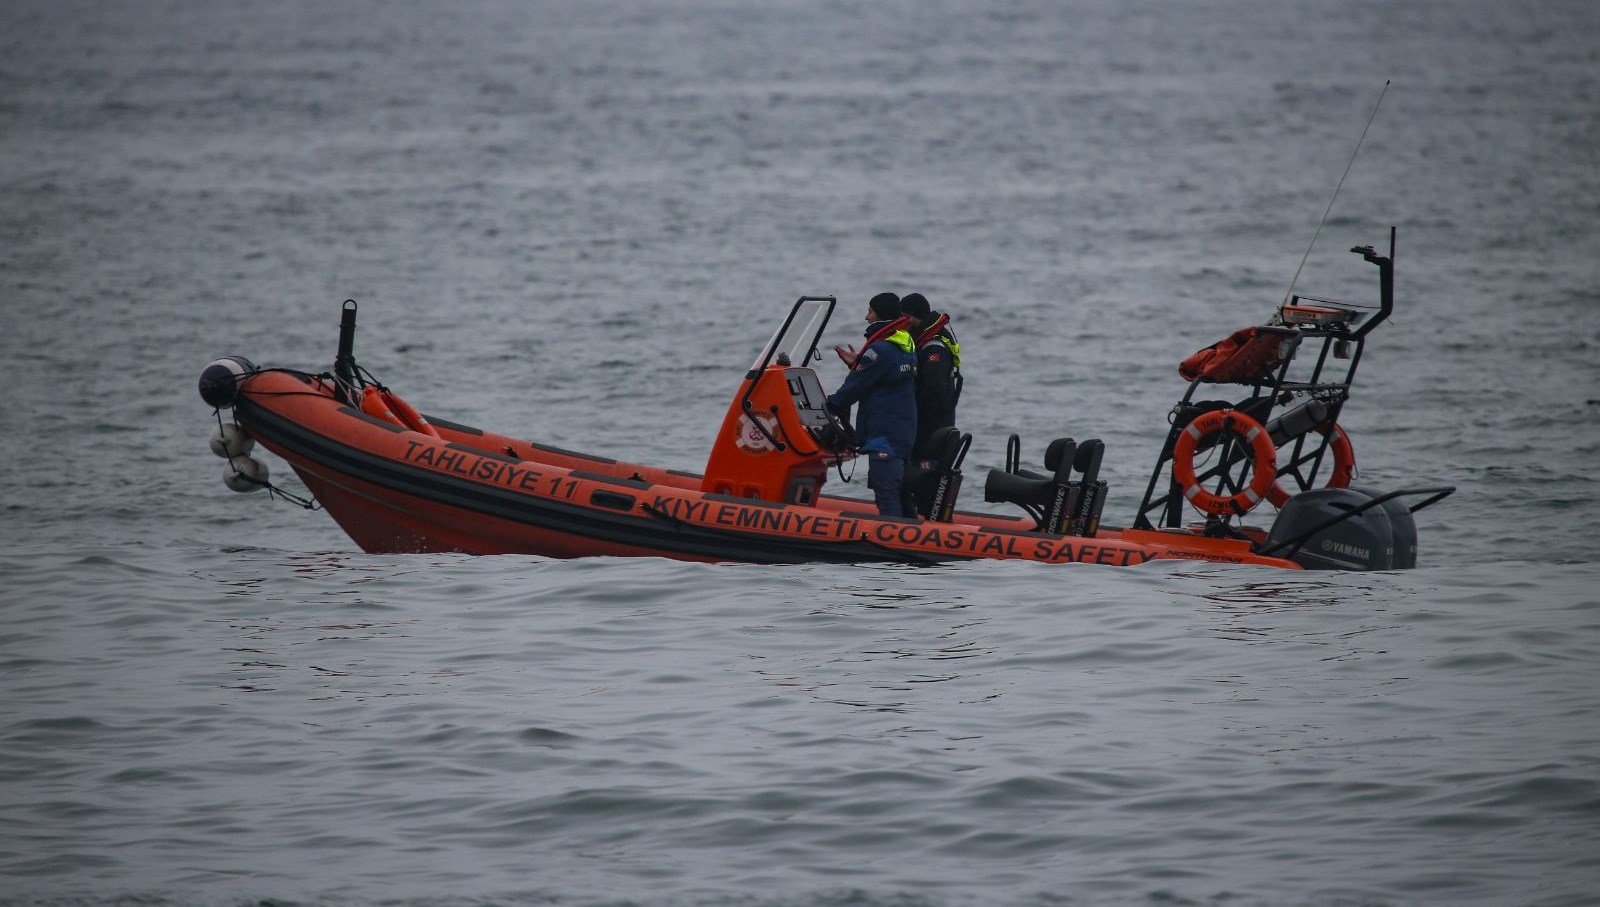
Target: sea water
point(577, 223)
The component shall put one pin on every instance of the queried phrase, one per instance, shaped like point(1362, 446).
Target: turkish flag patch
point(933, 357)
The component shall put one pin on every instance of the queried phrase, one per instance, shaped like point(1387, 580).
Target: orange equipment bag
point(1247, 355)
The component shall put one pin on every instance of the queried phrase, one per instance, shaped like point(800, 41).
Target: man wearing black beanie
point(883, 380)
point(886, 306)
point(938, 370)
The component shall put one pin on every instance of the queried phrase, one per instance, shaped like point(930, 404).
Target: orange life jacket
point(1244, 357)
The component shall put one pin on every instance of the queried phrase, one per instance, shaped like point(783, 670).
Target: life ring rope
point(1263, 467)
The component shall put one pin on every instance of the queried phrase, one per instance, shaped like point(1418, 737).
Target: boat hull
point(397, 490)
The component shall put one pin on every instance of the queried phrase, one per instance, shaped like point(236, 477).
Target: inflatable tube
point(408, 414)
point(1344, 464)
point(1264, 467)
point(372, 404)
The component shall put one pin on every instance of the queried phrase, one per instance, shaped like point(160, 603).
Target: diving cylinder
point(1297, 421)
point(229, 441)
point(245, 474)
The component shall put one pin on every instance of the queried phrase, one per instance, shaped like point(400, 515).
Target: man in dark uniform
point(938, 370)
point(883, 380)
point(938, 385)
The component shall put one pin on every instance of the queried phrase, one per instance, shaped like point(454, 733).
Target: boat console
point(779, 438)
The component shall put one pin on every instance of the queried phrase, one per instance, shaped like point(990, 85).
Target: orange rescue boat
point(398, 481)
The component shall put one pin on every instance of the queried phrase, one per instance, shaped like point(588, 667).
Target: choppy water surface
point(577, 223)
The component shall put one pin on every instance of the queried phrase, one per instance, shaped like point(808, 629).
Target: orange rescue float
point(1263, 469)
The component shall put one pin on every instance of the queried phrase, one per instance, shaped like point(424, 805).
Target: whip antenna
point(1336, 189)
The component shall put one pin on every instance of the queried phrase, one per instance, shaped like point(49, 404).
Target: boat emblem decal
point(751, 436)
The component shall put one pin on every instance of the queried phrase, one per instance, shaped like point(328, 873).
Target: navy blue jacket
point(883, 381)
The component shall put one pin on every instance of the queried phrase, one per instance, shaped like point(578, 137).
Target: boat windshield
point(796, 340)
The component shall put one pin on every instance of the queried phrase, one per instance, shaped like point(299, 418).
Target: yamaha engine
point(1404, 528)
point(1380, 537)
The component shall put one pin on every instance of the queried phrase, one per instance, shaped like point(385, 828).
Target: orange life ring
point(408, 414)
point(1344, 463)
point(1264, 467)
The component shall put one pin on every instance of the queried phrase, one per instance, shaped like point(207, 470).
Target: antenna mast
point(1329, 209)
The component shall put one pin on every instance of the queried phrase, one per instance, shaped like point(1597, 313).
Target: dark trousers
point(886, 476)
point(916, 494)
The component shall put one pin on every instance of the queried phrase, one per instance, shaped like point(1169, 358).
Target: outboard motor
point(1351, 541)
point(1404, 527)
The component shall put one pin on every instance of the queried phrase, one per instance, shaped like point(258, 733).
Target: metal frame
point(1340, 341)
